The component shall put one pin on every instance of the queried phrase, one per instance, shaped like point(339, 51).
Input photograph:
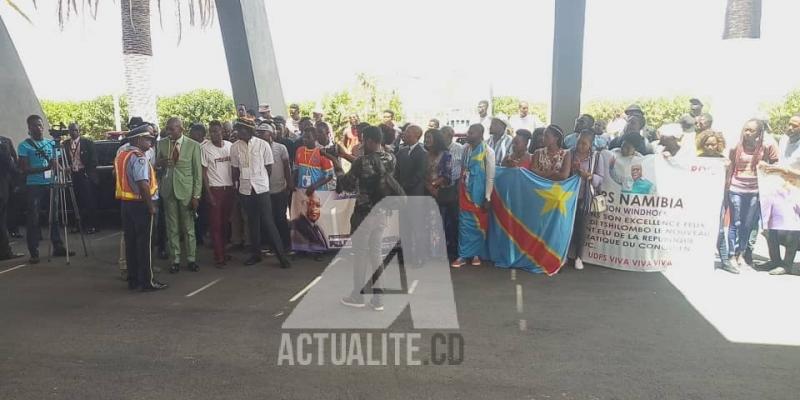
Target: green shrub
point(364, 99)
point(196, 106)
point(509, 106)
point(779, 114)
point(658, 110)
point(95, 116)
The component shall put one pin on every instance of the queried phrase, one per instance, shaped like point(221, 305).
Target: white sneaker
point(578, 263)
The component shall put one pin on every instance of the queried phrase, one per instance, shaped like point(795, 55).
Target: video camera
point(57, 131)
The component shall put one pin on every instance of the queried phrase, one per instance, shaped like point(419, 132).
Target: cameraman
point(36, 156)
point(82, 160)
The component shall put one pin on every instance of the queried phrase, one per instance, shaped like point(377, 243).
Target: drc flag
point(532, 219)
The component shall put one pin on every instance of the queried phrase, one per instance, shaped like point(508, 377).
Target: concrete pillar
point(570, 16)
point(18, 99)
point(251, 56)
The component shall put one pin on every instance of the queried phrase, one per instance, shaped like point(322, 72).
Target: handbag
point(597, 203)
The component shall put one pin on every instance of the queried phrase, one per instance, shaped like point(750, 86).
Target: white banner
point(661, 213)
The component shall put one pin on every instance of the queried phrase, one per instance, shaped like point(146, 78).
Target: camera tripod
point(61, 185)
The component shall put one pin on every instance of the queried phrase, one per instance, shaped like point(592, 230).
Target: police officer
point(137, 188)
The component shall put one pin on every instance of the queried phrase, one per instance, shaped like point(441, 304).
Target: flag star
point(555, 198)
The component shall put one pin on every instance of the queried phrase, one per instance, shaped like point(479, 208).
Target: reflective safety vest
point(124, 191)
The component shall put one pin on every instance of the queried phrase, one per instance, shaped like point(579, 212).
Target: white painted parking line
point(519, 298)
point(214, 282)
point(108, 236)
point(513, 274)
point(305, 289)
point(12, 268)
point(413, 286)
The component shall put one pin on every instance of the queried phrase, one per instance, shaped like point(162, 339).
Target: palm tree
point(742, 19)
point(137, 45)
point(137, 53)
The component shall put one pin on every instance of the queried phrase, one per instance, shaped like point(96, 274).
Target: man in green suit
point(179, 159)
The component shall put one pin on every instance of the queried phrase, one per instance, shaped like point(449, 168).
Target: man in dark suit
point(8, 170)
point(82, 160)
point(412, 162)
point(412, 166)
point(305, 229)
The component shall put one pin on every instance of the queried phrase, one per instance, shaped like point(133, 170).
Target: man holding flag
point(475, 192)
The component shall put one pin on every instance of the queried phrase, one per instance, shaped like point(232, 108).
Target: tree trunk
point(137, 50)
point(743, 19)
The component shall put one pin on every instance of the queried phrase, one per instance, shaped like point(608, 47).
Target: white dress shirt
point(251, 158)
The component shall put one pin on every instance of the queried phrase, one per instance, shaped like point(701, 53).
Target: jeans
point(579, 231)
point(745, 210)
point(722, 244)
point(38, 196)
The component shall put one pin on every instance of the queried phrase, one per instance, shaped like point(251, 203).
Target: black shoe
point(252, 260)
point(193, 267)
point(174, 268)
point(155, 286)
point(33, 260)
point(285, 264)
point(748, 257)
point(92, 231)
point(62, 252)
point(11, 256)
point(15, 235)
point(162, 255)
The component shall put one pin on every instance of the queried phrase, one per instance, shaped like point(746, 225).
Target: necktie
point(176, 153)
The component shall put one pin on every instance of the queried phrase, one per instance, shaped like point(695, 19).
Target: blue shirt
point(34, 152)
point(138, 170)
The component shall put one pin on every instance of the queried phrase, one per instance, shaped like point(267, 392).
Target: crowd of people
point(233, 180)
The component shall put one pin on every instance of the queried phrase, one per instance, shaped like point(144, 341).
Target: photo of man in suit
point(305, 229)
point(178, 157)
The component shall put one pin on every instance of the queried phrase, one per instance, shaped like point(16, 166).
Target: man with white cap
point(669, 146)
point(264, 111)
point(137, 190)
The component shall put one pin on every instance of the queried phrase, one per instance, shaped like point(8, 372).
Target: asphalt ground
point(76, 332)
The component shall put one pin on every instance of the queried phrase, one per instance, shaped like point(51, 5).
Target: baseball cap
point(696, 102)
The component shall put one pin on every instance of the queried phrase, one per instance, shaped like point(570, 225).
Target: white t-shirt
point(251, 158)
point(217, 160)
point(530, 122)
point(280, 155)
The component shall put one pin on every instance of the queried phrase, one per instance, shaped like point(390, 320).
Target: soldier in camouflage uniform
point(371, 178)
